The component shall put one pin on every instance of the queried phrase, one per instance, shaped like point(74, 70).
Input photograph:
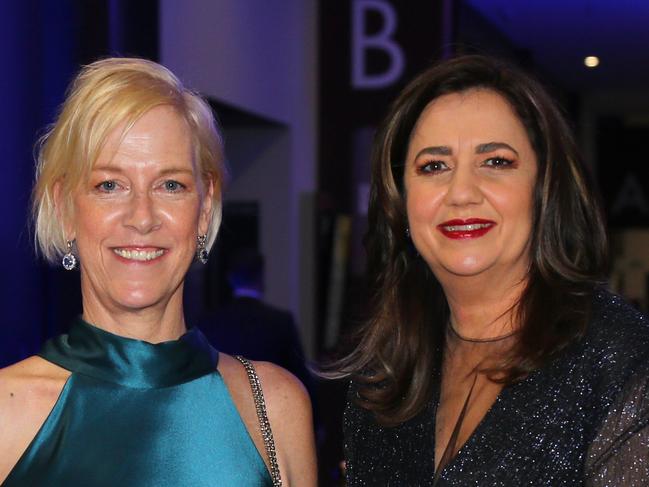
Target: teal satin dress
point(135, 414)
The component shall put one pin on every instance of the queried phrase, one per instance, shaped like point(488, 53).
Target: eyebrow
point(444, 150)
point(492, 146)
point(164, 172)
point(176, 171)
point(438, 150)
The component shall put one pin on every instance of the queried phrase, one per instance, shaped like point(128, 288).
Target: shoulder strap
point(264, 424)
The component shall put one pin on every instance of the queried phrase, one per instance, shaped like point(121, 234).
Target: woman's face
point(137, 218)
point(469, 176)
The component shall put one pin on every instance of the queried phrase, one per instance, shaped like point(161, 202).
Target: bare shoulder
point(280, 387)
point(28, 391)
point(282, 390)
point(30, 379)
point(289, 413)
point(232, 371)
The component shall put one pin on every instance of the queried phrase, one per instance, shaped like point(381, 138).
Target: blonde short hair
point(105, 94)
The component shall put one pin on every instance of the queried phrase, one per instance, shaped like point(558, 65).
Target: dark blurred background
point(299, 87)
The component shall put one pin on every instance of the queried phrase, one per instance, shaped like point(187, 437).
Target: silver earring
point(410, 245)
point(201, 251)
point(69, 260)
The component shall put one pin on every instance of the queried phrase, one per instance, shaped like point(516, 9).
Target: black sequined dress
point(581, 420)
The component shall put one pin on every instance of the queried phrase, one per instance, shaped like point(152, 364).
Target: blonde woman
point(128, 191)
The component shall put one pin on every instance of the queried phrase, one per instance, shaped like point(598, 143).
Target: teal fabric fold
point(134, 413)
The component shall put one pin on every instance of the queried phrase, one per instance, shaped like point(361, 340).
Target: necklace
point(480, 340)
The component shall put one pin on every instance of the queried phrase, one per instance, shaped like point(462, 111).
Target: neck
point(154, 324)
point(481, 310)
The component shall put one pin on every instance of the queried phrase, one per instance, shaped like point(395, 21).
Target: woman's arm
point(289, 413)
point(28, 392)
point(619, 454)
point(291, 419)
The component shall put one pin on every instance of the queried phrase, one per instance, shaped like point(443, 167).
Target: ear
point(205, 216)
point(61, 206)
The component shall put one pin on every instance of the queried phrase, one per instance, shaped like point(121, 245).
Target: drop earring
point(410, 245)
point(69, 260)
point(201, 251)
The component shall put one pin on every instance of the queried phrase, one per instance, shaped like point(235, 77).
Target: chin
point(467, 266)
point(138, 298)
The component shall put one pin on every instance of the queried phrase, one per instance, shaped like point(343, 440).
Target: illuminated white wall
point(260, 56)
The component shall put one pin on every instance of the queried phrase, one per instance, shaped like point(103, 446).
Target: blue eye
point(173, 186)
point(107, 186)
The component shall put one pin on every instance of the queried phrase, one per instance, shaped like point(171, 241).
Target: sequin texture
point(581, 420)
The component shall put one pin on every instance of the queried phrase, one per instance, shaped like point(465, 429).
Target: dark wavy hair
point(399, 345)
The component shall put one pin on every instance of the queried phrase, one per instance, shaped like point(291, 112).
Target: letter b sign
point(381, 40)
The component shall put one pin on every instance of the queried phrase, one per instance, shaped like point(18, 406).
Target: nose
point(141, 213)
point(463, 187)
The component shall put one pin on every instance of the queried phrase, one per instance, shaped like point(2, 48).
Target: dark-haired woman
point(492, 355)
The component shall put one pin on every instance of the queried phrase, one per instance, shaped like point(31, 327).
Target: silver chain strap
point(264, 424)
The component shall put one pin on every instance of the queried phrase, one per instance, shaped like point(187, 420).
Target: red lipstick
point(463, 229)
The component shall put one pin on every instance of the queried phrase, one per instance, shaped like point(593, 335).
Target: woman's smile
point(139, 254)
point(138, 218)
point(459, 229)
point(469, 176)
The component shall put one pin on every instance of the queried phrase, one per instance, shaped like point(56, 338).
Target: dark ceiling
point(559, 34)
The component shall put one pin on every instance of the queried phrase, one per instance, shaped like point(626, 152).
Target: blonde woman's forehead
point(161, 137)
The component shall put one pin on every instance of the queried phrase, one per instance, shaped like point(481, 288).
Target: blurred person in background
point(493, 354)
point(128, 189)
point(250, 327)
